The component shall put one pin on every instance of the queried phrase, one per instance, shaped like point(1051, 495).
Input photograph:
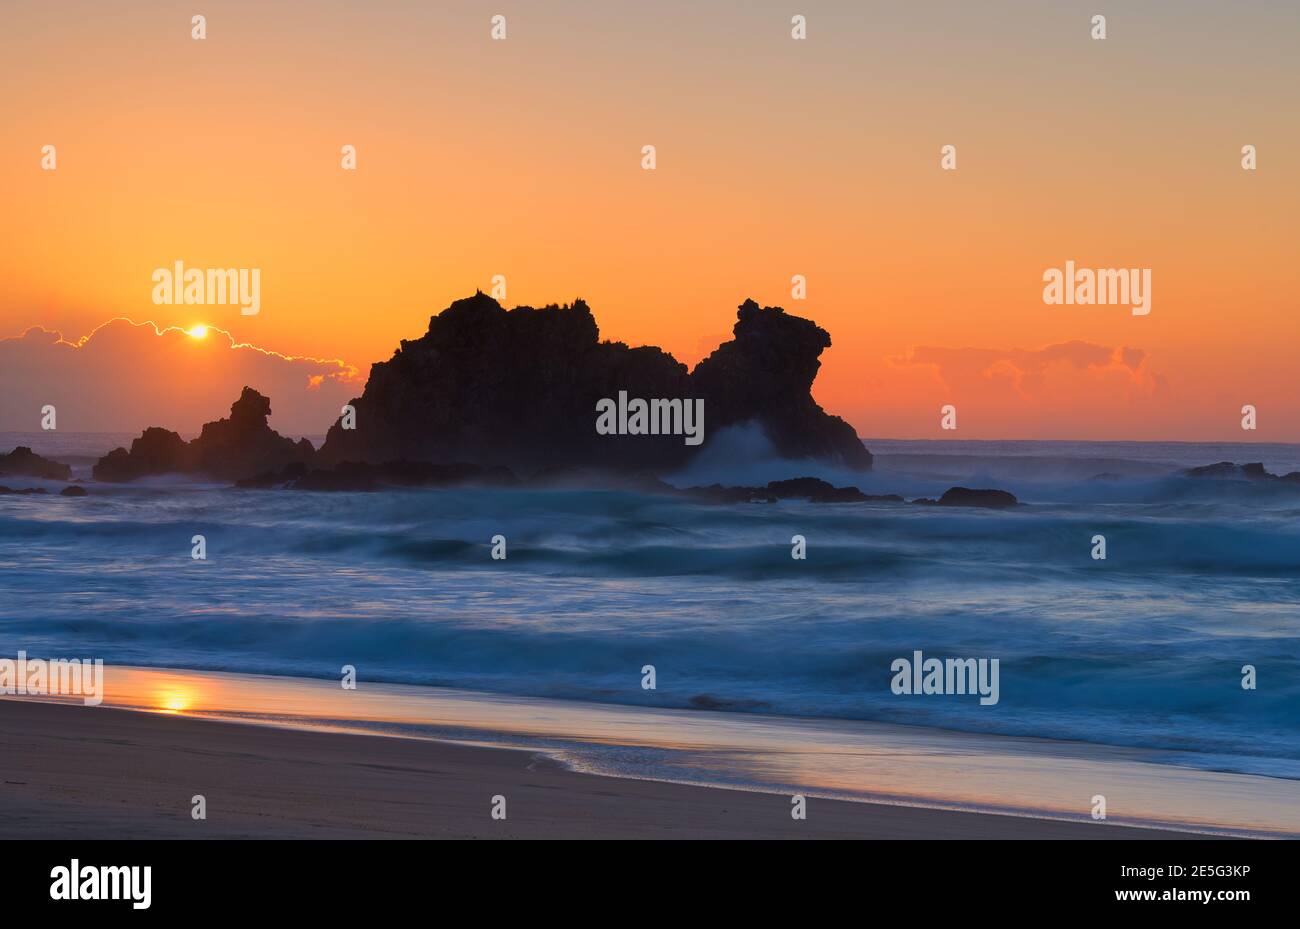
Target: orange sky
point(776, 158)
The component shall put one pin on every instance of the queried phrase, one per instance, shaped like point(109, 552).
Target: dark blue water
point(1144, 648)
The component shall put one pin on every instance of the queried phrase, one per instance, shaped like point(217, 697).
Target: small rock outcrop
point(238, 447)
point(244, 444)
point(1250, 472)
point(157, 451)
point(812, 489)
point(23, 462)
point(965, 496)
point(818, 491)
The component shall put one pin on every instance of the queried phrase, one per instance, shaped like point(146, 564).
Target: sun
point(197, 332)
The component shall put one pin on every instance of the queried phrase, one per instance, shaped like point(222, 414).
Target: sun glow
point(197, 332)
point(174, 700)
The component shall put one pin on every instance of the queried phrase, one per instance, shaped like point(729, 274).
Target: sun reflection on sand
point(173, 699)
point(849, 759)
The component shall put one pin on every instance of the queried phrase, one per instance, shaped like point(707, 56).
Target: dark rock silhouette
point(244, 444)
point(965, 496)
point(238, 447)
point(488, 388)
point(812, 489)
point(519, 388)
point(23, 462)
point(157, 451)
point(818, 491)
point(1252, 472)
point(23, 491)
point(765, 375)
point(1221, 469)
point(72, 490)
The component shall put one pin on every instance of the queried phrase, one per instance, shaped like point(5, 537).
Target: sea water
point(1143, 649)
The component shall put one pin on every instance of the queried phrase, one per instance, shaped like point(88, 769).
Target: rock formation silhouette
point(487, 387)
point(964, 496)
point(520, 387)
point(765, 375)
point(238, 447)
point(1250, 472)
point(23, 462)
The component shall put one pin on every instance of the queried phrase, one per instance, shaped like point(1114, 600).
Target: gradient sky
point(776, 158)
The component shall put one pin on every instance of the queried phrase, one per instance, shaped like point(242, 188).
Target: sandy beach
point(96, 772)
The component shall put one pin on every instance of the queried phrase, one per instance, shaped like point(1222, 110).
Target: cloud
point(125, 376)
point(1033, 372)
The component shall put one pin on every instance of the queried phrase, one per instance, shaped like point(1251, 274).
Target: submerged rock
point(23, 462)
point(1252, 472)
point(816, 490)
point(964, 496)
point(1219, 469)
point(813, 489)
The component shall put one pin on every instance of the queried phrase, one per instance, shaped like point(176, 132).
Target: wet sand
point(71, 771)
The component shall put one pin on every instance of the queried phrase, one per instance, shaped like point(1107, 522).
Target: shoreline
point(843, 763)
point(108, 772)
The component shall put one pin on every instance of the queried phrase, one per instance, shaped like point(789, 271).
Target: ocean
point(1144, 649)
